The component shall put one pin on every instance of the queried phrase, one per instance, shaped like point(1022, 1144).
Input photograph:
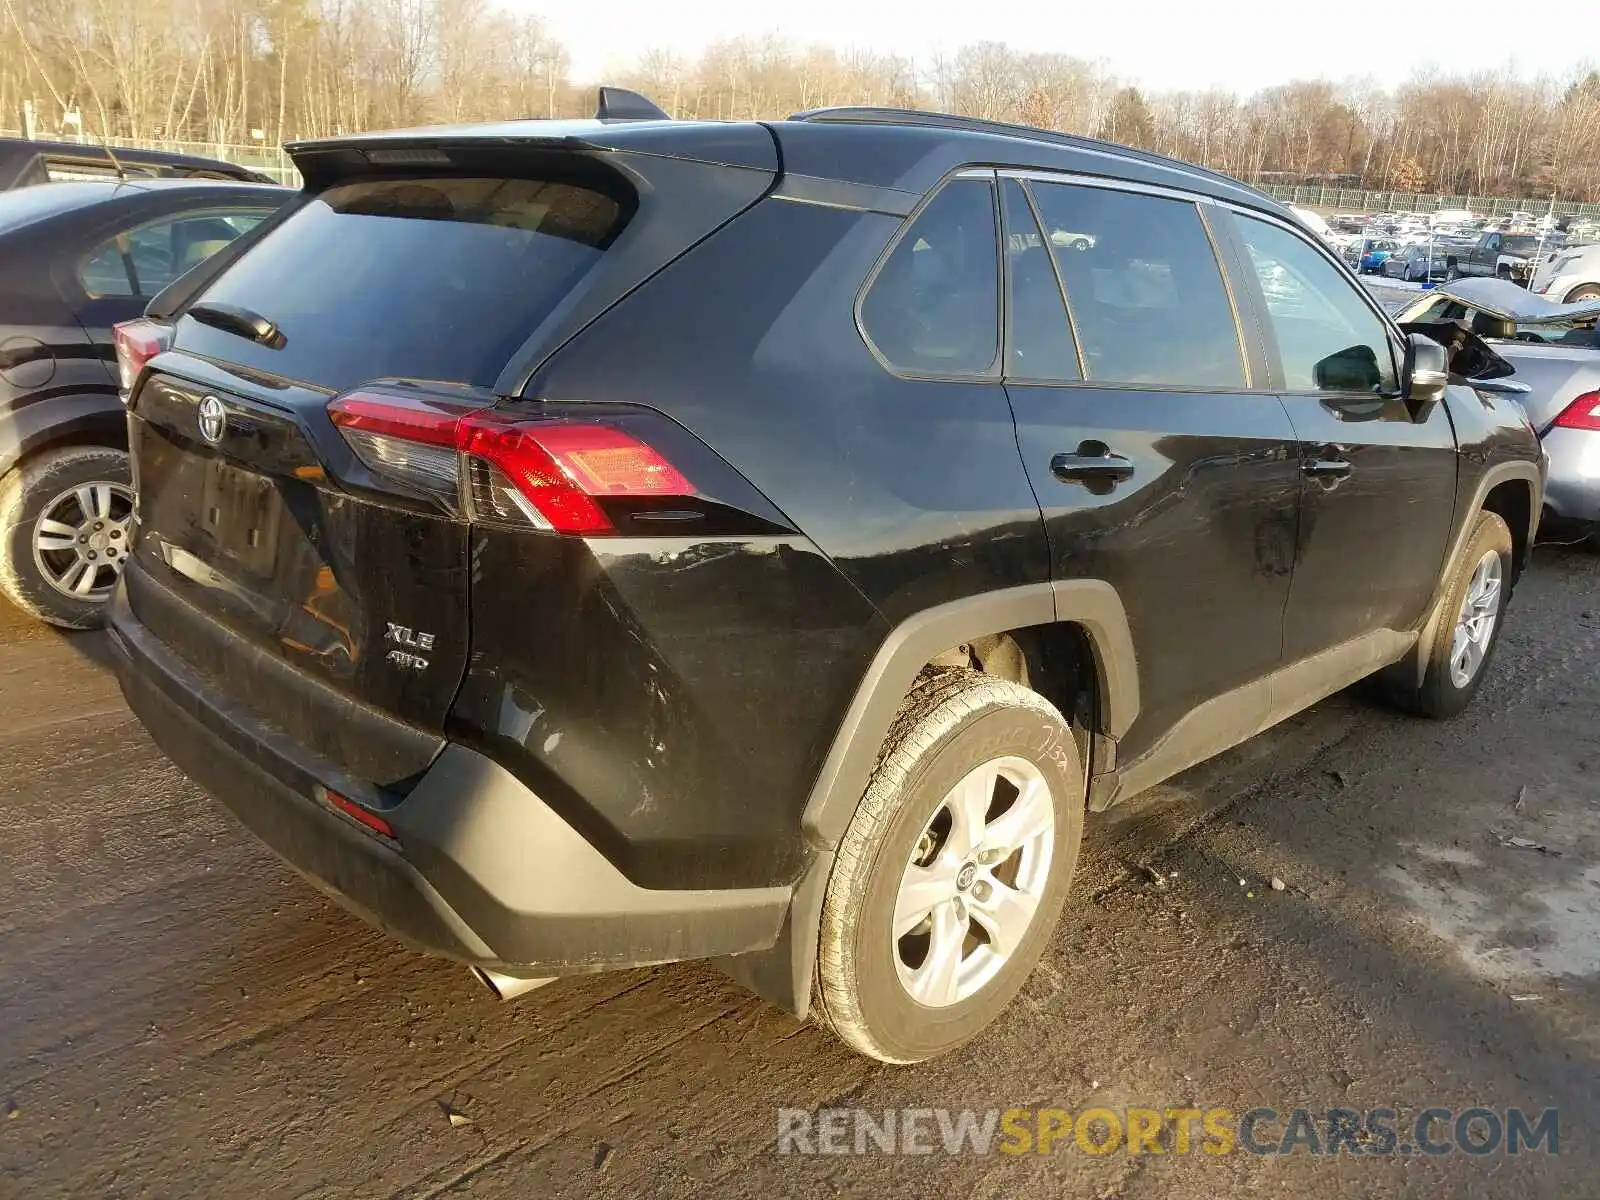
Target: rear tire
point(45, 569)
point(1469, 629)
point(1584, 291)
point(978, 792)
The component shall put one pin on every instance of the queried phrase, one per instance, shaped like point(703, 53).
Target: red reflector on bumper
point(366, 816)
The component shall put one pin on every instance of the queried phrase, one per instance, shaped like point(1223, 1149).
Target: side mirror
point(1427, 374)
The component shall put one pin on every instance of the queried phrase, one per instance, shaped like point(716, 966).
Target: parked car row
point(582, 545)
point(76, 258)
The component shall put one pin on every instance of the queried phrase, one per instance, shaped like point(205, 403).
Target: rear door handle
point(1326, 468)
point(1092, 464)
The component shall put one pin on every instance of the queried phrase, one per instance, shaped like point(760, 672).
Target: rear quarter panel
point(696, 685)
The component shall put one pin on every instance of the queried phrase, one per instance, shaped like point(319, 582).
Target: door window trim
point(1006, 267)
point(992, 373)
point(1251, 284)
point(1199, 202)
point(121, 237)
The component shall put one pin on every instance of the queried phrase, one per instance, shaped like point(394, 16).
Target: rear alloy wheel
point(1469, 624)
point(953, 872)
point(65, 521)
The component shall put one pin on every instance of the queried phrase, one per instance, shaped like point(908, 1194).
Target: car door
point(1159, 467)
point(117, 274)
point(1377, 485)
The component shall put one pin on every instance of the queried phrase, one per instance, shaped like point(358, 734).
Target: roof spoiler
point(619, 104)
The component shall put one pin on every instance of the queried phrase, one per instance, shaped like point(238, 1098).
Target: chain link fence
point(1336, 199)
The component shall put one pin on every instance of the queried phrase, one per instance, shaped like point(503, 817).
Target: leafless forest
point(236, 71)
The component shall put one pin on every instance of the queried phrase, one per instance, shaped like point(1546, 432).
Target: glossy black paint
point(1200, 542)
point(254, 532)
point(58, 374)
point(671, 698)
point(672, 695)
point(1372, 540)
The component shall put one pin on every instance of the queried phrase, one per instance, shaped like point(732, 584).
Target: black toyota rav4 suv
point(583, 545)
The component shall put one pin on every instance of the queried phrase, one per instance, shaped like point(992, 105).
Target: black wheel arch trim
point(75, 417)
point(1410, 670)
point(784, 974)
point(1091, 603)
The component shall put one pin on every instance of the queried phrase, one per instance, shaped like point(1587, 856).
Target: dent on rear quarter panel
point(675, 698)
point(671, 698)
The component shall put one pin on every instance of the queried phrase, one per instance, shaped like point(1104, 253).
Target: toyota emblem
point(213, 419)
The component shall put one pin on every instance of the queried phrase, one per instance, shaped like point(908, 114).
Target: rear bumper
point(1572, 490)
point(482, 870)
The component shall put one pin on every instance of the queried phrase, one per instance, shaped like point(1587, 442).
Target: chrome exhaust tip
point(508, 987)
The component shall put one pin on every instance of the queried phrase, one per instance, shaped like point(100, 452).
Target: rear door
point(1378, 488)
point(1159, 464)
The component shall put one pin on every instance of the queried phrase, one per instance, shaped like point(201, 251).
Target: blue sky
point(1239, 44)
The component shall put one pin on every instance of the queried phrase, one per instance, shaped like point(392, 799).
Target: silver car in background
point(1555, 349)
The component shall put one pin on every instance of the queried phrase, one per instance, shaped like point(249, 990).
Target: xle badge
point(411, 638)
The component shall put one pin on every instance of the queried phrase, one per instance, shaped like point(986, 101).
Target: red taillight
point(406, 438)
point(137, 342)
point(365, 815)
point(548, 474)
point(1582, 413)
point(559, 468)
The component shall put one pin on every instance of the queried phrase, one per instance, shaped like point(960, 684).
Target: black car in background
point(579, 545)
point(76, 258)
point(25, 162)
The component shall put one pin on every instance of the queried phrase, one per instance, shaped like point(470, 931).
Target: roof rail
point(867, 115)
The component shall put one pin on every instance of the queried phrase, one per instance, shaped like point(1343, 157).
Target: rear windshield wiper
point(242, 321)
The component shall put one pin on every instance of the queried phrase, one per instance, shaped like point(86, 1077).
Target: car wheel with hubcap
point(65, 522)
point(953, 871)
point(1584, 291)
point(1468, 626)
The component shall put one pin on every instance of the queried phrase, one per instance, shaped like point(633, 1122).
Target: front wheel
point(65, 517)
point(1469, 628)
point(1584, 291)
point(953, 871)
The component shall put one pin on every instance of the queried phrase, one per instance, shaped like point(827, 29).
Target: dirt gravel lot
point(181, 1016)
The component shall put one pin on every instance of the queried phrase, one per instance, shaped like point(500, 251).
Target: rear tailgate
point(326, 599)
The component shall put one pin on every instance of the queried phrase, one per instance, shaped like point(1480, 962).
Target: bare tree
point(215, 70)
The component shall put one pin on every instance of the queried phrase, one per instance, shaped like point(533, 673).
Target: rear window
point(435, 279)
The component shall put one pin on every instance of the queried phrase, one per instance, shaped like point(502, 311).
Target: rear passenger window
point(1328, 338)
point(934, 307)
point(1041, 345)
point(142, 261)
point(1147, 298)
